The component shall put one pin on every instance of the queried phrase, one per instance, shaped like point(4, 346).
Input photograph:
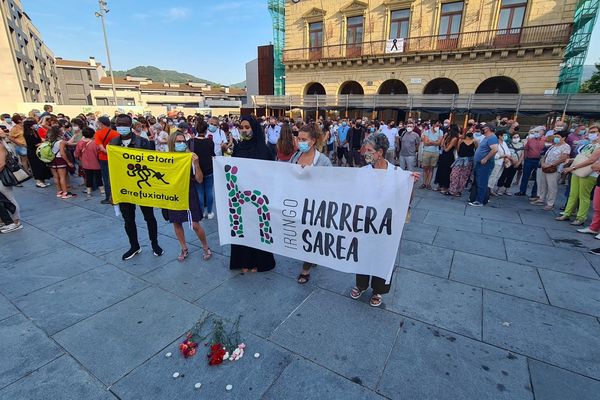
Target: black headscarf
point(256, 147)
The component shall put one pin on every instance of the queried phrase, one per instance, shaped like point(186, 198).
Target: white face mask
point(409, 129)
point(593, 136)
point(516, 140)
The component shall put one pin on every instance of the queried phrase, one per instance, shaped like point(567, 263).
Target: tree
point(593, 84)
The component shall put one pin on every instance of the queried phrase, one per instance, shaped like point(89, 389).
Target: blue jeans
point(529, 166)
point(206, 188)
point(482, 176)
point(105, 177)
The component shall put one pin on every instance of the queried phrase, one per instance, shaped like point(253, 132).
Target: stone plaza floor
point(499, 302)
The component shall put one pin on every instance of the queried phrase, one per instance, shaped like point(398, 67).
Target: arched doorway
point(393, 86)
point(498, 85)
point(441, 86)
point(351, 87)
point(315, 88)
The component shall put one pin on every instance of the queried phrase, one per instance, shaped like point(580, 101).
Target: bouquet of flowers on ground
point(223, 346)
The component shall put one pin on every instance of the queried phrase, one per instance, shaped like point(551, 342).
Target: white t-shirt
point(391, 134)
point(161, 136)
point(390, 166)
point(218, 138)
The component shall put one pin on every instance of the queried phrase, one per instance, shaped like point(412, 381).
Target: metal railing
point(535, 103)
point(556, 34)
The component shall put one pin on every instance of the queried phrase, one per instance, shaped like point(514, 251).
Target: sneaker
point(507, 193)
point(578, 222)
point(205, 214)
point(106, 201)
point(475, 204)
point(563, 218)
point(548, 208)
point(595, 252)
point(587, 230)
point(534, 198)
point(211, 215)
point(158, 251)
point(12, 227)
point(597, 236)
point(131, 253)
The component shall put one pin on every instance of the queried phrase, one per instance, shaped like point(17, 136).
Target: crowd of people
point(484, 159)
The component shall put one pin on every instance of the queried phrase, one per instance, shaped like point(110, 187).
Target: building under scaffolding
point(277, 11)
point(576, 51)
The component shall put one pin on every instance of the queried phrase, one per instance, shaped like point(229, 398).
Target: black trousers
point(508, 174)
point(5, 215)
point(93, 178)
point(128, 212)
point(377, 284)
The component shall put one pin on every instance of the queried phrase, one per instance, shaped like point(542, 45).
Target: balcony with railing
point(531, 36)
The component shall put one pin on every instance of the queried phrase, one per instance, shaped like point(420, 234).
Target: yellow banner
point(150, 178)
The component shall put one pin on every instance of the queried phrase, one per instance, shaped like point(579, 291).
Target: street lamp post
point(101, 13)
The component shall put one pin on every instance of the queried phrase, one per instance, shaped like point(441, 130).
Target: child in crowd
point(87, 154)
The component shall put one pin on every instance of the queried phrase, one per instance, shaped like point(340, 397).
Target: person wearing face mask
point(549, 173)
point(463, 165)
point(583, 180)
point(16, 135)
point(533, 150)
point(432, 139)
point(251, 145)
point(310, 138)
point(204, 148)
point(375, 148)
point(559, 127)
point(128, 139)
point(516, 157)
point(391, 132)
point(356, 136)
point(104, 135)
point(502, 160)
point(178, 143)
point(218, 137)
point(272, 133)
point(342, 142)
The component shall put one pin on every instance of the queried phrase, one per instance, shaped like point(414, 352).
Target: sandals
point(60, 194)
point(68, 195)
point(303, 278)
point(183, 255)
point(206, 254)
point(375, 300)
point(423, 186)
point(355, 293)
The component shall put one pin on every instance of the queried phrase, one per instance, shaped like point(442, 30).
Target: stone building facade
point(340, 47)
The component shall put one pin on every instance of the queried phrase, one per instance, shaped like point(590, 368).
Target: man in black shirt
point(128, 139)
point(356, 135)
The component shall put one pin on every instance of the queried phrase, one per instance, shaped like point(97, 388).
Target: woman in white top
point(551, 169)
point(161, 138)
point(59, 165)
point(502, 159)
point(375, 147)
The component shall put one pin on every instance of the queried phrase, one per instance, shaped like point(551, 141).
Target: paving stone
point(147, 261)
point(520, 232)
point(249, 376)
point(419, 232)
point(80, 220)
point(572, 292)
point(267, 306)
point(131, 332)
point(28, 243)
point(425, 258)
point(442, 203)
point(23, 349)
point(552, 383)
point(594, 260)
point(535, 217)
point(322, 277)
point(537, 255)
point(192, 278)
point(573, 240)
point(430, 363)
point(318, 330)
point(449, 305)
point(498, 275)
point(559, 337)
point(6, 308)
point(455, 221)
point(61, 379)
point(105, 239)
point(29, 204)
point(494, 213)
point(483, 245)
point(43, 270)
point(304, 380)
point(417, 215)
point(65, 303)
point(215, 245)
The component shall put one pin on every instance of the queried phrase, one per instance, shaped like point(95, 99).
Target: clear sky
point(207, 38)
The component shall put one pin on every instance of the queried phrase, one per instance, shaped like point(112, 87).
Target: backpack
point(45, 153)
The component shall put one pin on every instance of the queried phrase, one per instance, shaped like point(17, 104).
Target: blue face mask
point(212, 128)
point(372, 130)
point(344, 124)
point(304, 147)
point(556, 140)
point(180, 147)
point(123, 130)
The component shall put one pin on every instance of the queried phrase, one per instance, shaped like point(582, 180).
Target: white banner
point(347, 219)
point(395, 45)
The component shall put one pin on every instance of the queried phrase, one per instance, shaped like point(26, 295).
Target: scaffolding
point(277, 11)
point(576, 52)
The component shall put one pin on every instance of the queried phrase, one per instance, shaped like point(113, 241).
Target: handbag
point(550, 170)
point(13, 172)
point(582, 172)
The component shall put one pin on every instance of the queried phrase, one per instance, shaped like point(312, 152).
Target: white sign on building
point(394, 46)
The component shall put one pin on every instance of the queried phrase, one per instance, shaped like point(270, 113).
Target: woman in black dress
point(40, 170)
point(251, 145)
point(444, 167)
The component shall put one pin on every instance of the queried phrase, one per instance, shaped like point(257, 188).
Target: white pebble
point(198, 385)
point(228, 387)
point(256, 355)
point(168, 355)
point(176, 375)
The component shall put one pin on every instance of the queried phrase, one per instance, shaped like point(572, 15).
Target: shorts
point(21, 150)
point(58, 163)
point(430, 159)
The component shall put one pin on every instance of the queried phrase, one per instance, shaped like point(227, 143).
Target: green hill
point(162, 75)
point(240, 85)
